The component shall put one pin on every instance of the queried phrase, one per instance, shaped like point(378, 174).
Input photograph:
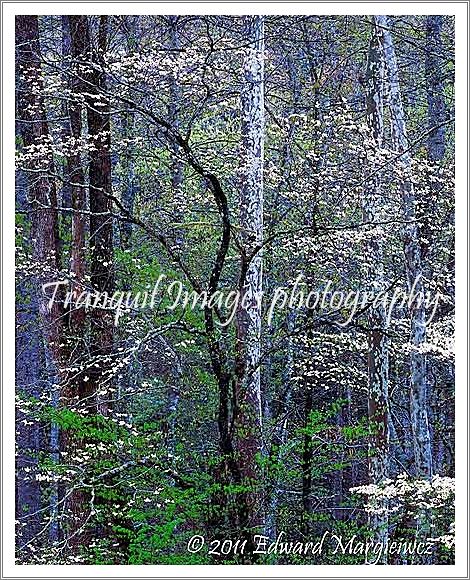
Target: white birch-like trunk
point(378, 344)
point(412, 249)
point(251, 217)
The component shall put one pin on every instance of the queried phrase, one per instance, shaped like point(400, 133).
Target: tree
point(435, 89)
point(78, 28)
point(436, 147)
point(413, 261)
point(39, 169)
point(378, 344)
point(43, 195)
point(101, 220)
point(249, 411)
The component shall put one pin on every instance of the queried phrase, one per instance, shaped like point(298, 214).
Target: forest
point(234, 289)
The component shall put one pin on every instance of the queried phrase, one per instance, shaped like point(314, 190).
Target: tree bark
point(43, 195)
point(130, 182)
point(435, 89)
point(177, 176)
point(307, 460)
point(43, 202)
point(249, 413)
point(82, 392)
point(413, 262)
point(174, 117)
point(101, 221)
point(79, 44)
point(437, 114)
point(378, 347)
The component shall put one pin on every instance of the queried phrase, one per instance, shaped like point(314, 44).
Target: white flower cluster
point(422, 493)
point(415, 498)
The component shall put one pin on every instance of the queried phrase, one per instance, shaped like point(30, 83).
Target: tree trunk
point(29, 434)
point(34, 130)
point(413, 264)
point(44, 214)
point(249, 413)
point(378, 347)
point(437, 114)
point(435, 88)
point(79, 45)
point(307, 460)
point(81, 392)
point(130, 182)
point(101, 221)
point(177, 176)
point(436, 138)
point(174, 114)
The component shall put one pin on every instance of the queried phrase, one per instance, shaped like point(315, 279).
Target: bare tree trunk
point(131, 183)
point(42, 191)
point(43, 194)
point(249, 412)
point(378, 347)
point(279, 397)
point(81, 392)
point(101, 221)
point(414, 273)
point(307, 460)
point(435, 89)
point(101, 224)
point(177, 176)
point(437, 115)
point(74, 388)
point(413, 263)
point(29, 434)
point(79, 44)
point(174, 114)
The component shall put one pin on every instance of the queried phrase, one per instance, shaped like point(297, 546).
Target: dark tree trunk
point(307, 458)
point(44, 215)
point(435, 88)
point(79, 45)
point(437, 115)
point(101, 221)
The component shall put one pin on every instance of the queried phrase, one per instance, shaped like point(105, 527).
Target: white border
point(459, 9)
